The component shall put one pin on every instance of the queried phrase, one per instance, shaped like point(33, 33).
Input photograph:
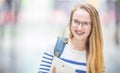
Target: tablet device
point(61, 66)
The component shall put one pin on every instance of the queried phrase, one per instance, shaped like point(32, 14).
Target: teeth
point(79, 33)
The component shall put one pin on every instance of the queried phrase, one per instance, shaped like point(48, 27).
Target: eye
point(85, 23)
point(76, 21)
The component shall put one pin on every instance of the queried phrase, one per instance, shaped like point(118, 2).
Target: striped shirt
point(75, 58)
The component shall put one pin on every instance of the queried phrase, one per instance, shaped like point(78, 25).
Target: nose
point(80, 26)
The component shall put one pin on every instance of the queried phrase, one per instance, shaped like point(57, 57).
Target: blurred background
point(26, 26)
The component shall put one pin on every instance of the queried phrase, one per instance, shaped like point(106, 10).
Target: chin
point(80, 37)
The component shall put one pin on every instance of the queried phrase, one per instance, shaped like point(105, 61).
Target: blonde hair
point(95, 60)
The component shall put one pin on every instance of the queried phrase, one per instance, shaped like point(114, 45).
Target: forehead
point(81, 15)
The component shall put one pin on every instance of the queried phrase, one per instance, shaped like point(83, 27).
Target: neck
point(77, 44)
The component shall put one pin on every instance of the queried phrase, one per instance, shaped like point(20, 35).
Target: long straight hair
point(95, 60)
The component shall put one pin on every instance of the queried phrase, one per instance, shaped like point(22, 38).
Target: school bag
point(59, 47)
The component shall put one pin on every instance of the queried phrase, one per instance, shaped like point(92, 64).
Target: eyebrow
point(83, 21)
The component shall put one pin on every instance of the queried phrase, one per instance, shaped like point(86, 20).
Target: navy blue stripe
point(44, 69)
point(47, 58)
point(73, 62)
point(80, 71)
point(46, 62)
point(45, 65)
point(48, 54)
point(42, 72)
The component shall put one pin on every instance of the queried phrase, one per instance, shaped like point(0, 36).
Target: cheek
point(89, 31)
point(72, 29)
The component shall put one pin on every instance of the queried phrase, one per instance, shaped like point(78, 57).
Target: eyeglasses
point(85, 25)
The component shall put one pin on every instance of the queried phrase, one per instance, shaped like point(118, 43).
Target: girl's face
point(81, 24)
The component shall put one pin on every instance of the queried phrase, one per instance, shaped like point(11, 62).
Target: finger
point(54, 70)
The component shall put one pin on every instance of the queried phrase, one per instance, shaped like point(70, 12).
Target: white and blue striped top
point(75, 58)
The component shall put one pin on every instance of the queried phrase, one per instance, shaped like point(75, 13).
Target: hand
point(54, 70)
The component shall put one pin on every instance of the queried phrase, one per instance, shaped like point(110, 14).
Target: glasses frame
point(84, 24)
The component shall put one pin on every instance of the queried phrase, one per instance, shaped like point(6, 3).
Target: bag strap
point(59, 47)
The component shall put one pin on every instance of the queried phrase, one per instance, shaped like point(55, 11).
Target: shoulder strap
point(59, 47)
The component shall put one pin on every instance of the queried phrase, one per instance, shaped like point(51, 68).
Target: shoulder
point(50, 45)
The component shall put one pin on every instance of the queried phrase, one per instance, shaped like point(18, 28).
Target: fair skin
point(80, 31)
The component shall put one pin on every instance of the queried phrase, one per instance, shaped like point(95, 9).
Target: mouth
point(79, 33)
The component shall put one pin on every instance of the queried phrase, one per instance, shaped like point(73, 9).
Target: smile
point(79, 33)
